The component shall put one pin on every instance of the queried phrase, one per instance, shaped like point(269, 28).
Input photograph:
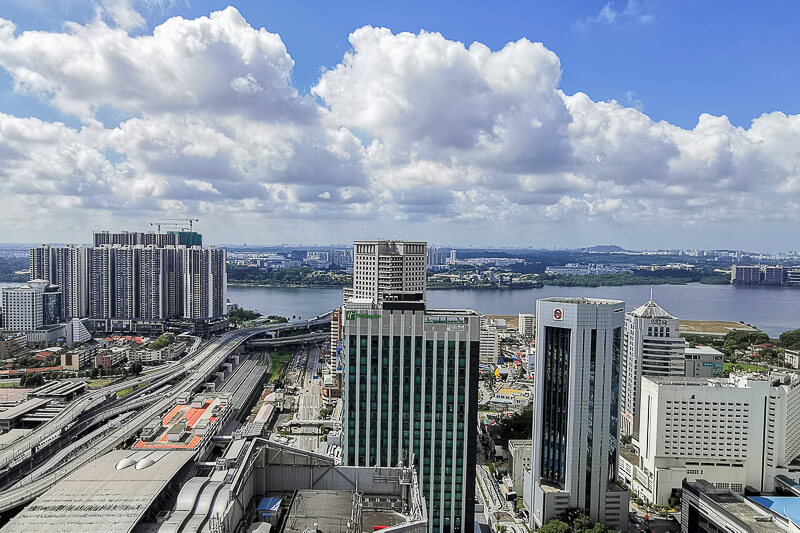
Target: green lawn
point(97, 383)
point(9, 384)
point(740, 367)
point(278, 359)
point(125, 392)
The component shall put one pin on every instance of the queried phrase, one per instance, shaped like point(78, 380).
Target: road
point(309, 397)
point(199, 363)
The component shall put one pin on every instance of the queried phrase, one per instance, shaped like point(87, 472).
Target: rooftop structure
point(323, 510)
point(704, 507)
point(11, 417)
point(184, 426)
point(110, 494)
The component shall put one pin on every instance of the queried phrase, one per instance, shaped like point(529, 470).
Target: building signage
point(352, 315)
point(558, 314)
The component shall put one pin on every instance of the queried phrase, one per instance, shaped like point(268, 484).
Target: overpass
point(285, 341)
point(197, 365)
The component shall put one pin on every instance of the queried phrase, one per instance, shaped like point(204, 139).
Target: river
point(772, 309)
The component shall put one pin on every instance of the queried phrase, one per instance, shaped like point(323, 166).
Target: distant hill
point(607, 249)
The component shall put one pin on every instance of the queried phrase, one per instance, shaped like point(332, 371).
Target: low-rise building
point(519, 460)
point(78, 359)
point(155, 357)
point(514, 398)
point(791, 359)
point(703, 362)
point(111, 357)
point(12, 345)
point(706, 508)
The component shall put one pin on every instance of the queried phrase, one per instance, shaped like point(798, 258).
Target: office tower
point(578, 349)
point(22, 308)
point(101, 282)
point(71, 272)
point(385, 267)
point(452, 256)
point(736, 432)
point(653, 347)
point(411, 394)
point(51, 302)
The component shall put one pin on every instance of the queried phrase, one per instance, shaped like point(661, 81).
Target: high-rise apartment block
point(383, 267)
point(134, 277)
point(410, 385)
point(576, 410)
point(527, 325)
point(133, 238)
point(490, 342)
point(735, 432)
point(653, 347)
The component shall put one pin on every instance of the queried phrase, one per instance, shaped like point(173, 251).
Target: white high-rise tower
point(576, 410)
point(387, 267)
point(653, 347)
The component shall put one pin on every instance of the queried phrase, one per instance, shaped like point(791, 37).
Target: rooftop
point(581, 300)
point(109, 494)
point(785, 506)
point(702, 349)
point(320, 510)
point(182, 421)
point(650, 309)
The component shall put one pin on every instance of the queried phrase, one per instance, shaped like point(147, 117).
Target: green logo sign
point(352, 315)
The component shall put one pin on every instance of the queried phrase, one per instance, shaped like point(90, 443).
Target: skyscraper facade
point(576, 407)
point(653, 347)
point(410, 385)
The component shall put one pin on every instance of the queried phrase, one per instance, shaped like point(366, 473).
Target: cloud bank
point(408, 130)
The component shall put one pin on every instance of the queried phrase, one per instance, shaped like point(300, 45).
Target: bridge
point(192, 370)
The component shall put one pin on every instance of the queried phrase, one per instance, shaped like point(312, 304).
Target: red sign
point(558, 314)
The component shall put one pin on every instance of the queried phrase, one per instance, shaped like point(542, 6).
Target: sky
point(646, 124)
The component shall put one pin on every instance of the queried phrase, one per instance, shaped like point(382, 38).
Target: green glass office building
point(411, 396)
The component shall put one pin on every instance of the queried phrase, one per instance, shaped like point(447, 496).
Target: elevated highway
point(197, 366)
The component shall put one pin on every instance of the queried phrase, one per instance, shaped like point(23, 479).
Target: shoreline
point(467, 287)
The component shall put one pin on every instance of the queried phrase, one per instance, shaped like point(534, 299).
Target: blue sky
point(660, 61)
point(724, 58)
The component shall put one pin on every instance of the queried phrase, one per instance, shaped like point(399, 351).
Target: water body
point(772, 309)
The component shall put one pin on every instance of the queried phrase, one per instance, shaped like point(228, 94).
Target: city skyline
point(582, 123)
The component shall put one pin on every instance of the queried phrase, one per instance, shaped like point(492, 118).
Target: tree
point(32, 380)
point(555, 526)
point(136, 368)
point(790, 339)
point(517, 426)
point(93, 374)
